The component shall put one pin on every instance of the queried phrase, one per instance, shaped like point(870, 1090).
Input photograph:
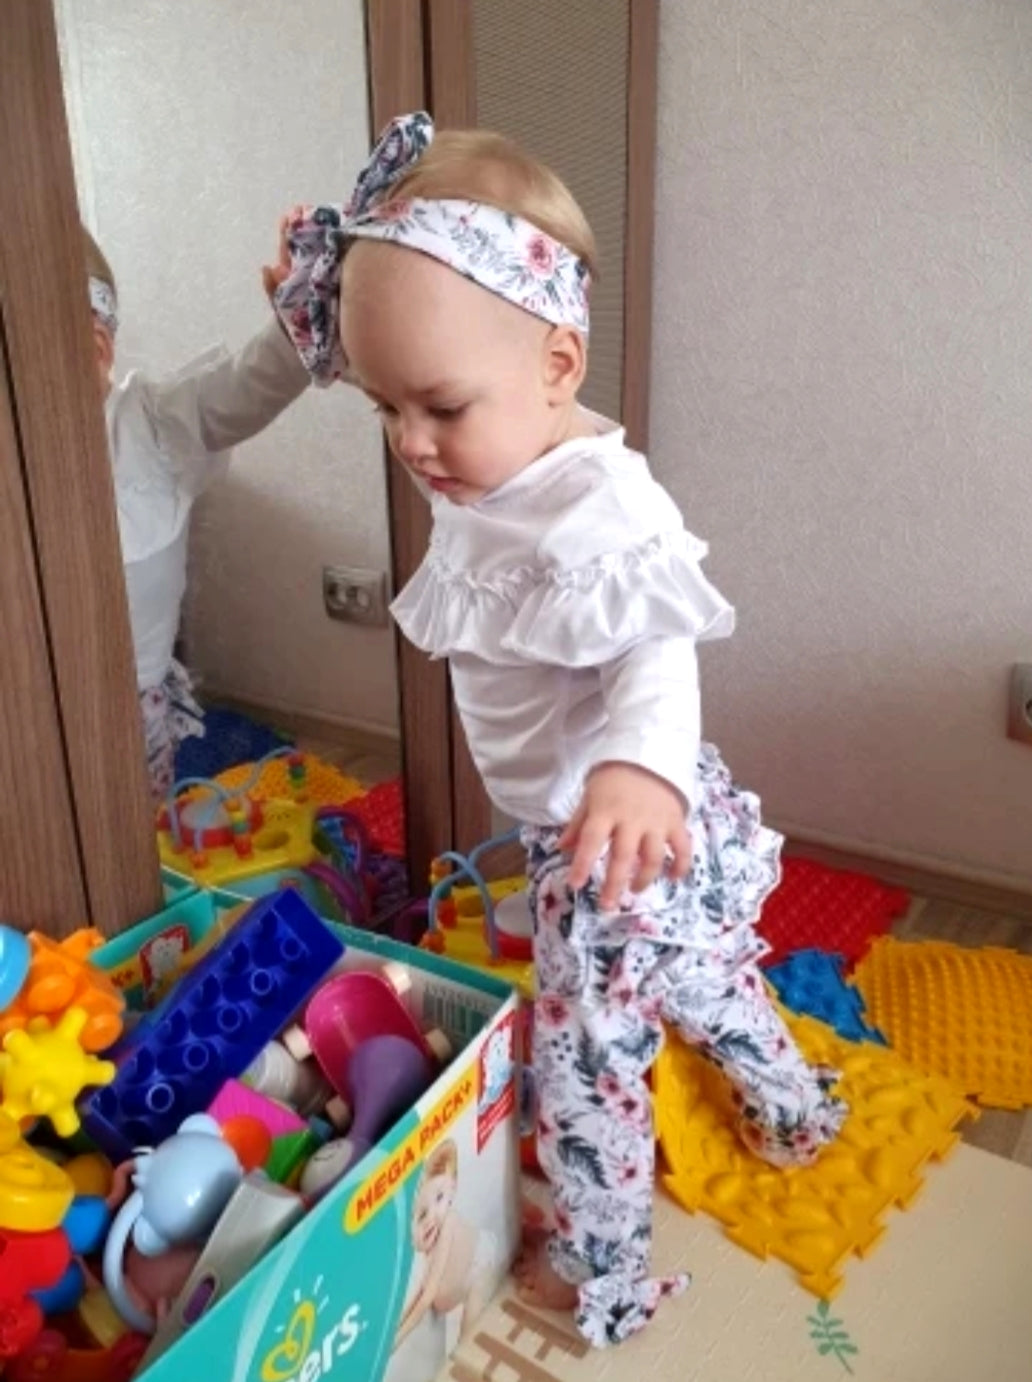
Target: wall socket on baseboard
point(1019, 706)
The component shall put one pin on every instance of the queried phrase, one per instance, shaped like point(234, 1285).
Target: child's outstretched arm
point(636, 797)
point(220, 400)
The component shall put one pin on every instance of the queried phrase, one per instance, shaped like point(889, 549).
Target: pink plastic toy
point(235, 1099)
point(351, 1008)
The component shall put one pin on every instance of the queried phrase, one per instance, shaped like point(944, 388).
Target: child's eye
point(448, 414)
point(385, 410)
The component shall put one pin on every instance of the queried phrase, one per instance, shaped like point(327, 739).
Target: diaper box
point(384, 1276)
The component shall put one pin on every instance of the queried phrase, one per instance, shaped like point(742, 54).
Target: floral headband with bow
point(104, 304)
point(501, 252)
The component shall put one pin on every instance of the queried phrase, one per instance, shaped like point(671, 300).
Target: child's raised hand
point(639, 816)
point(275, 274)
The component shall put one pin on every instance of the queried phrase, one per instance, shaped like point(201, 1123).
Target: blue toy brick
point(212, 1025)
point(812, 982)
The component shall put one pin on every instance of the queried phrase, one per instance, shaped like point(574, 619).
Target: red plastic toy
point(52, 1357)
point(28, 1262)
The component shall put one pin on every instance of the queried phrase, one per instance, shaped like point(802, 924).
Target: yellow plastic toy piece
point(325, 785)
point(90, 1173)
point(59, 976)
point(964, 1014)
point(463, 940)
point(284, 841)
point(34, 1193)
point(811, 1217)
point(43, 1068)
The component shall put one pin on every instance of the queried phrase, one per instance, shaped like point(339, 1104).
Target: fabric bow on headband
point(501, 252)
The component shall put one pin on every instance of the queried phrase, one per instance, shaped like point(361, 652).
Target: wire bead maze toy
point(500, 907)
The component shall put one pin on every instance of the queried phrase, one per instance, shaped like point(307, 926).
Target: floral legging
point(170, 715)
point(605, 987)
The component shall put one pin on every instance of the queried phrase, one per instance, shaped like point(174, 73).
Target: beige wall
point(195, 125)
point(842, 402)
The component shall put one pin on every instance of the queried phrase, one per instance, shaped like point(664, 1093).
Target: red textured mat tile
point(827, 909)
point(382, 812)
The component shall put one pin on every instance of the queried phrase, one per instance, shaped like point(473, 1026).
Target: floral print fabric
point(104, 304)
point(501, 252)
point(683, 952)
point(170, 715)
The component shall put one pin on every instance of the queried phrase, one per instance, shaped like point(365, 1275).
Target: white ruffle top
point(569, 602)
point(167, 440)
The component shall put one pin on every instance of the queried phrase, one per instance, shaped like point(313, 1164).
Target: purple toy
point(385, 1076)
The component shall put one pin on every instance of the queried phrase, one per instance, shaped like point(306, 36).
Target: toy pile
point(149, 1158)
point(290, 820)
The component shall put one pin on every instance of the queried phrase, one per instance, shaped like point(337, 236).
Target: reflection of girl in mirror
point(166, 438)
point(569, 598)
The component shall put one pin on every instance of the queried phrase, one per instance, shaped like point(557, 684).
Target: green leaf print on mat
point(830, 1336)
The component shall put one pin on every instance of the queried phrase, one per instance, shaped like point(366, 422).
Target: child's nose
point(413, 441)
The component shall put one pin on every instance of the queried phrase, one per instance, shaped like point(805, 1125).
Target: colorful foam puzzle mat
point(827, 909)
point(325, 785)
point(813, 983)
point(229, 738)
point(812, 1218)
point(963, 1014)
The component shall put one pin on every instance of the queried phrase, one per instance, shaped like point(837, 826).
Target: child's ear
point(105, 348)
point(566, 363)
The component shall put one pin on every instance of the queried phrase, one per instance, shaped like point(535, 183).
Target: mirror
point(192, 132)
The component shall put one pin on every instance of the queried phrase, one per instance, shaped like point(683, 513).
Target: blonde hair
point(96, 262)
point(476, 165)
point(442, 1161)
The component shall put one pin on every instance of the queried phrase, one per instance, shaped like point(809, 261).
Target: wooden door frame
point(420, 58)
point(449, 86)
point(69, 500)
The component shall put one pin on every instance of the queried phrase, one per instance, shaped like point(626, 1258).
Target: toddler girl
point(165, 438)
point(567, 595)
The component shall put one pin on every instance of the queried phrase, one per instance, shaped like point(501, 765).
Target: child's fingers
point(652, 859)
point(623, 859)
point(594, 835)
point(681, 844)
point(568, 839)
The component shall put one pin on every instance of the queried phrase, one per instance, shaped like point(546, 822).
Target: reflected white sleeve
point(652, 703)
point(219, 400)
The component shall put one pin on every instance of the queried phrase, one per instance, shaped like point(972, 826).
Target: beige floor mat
point(945, 1297)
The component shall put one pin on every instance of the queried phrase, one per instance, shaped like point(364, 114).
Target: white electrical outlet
point(1019, 709)
point(355, 594)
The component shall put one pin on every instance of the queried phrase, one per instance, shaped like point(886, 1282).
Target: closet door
point(76, 809)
